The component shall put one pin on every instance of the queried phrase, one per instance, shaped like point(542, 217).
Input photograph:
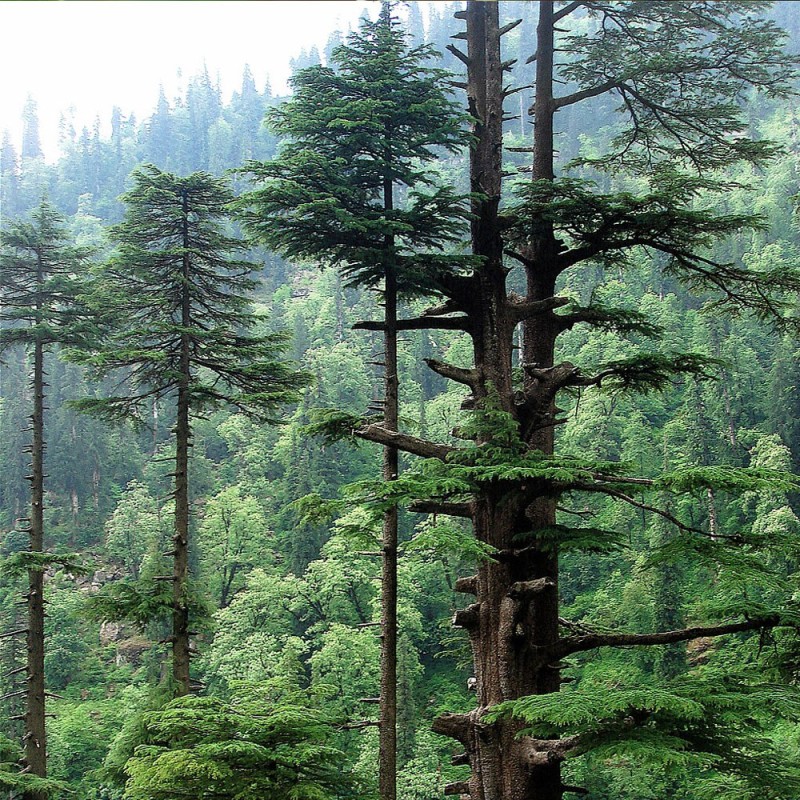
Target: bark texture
point(180, 605)
point(35, 738)
point(515, 614)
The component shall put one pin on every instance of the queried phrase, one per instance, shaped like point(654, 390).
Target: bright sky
point(94, 54)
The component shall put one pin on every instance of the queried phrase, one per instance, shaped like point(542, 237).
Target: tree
point(181, 327)
point(10, 185)
point(40, 280)
point(680, 72)
point(31, 143)
point(233, 536)
point(358, 132)
point(264, 743)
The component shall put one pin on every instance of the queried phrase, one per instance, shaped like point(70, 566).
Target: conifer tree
point(680, 71)
point(39, 280)
point(358, 133)
point(180, 327)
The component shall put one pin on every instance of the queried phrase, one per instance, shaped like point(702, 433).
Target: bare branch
point(462, 57)
point(461, 323)
point(403, 441)
point(585, 94)
point(566, 11)
point(577, 644)
point(469, 377)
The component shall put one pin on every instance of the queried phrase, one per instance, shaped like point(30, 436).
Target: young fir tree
point(264, 743)
point(40, 279)
point(181, 328)
point(680, 71)
point(359, 134)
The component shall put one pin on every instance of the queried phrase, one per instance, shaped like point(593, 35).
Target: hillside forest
point(433, 430)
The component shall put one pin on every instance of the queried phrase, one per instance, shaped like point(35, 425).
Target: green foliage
point(357, 131)
point(257, 745)
point(710, 722)
point(333, 425)
point(14, 781)
point(22, 561)
point(42, 275)
point(448, 539)
point(173, 286)
point(681, 72)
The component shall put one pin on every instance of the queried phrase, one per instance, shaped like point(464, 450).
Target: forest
point(433, 430)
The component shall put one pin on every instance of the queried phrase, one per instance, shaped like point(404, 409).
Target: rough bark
point(35, 738)
point(387, 732)
point(515, 613)
point(180, 607)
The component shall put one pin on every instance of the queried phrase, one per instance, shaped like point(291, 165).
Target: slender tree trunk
point(387, 777)
point(180, 606)
point(35, 734)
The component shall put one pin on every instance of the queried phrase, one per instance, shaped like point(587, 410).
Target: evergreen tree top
point(173, 290)
point(359, 133)
point(41, 275)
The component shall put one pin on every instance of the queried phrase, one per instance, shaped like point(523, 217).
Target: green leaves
point(710, 722)
point(258, 745)
point(175, 309)
point(359, 133)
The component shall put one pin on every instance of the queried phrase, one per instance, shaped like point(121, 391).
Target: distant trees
point(180, 327)
point(40, 279)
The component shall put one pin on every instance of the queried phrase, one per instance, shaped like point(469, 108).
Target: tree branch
point(522, 309)
point(541, 752)
point(566, 11)
point(584, 94)
point(577, 644)
point(402, 441)
point(461, 323)
point(441, 507)
point(469, 377)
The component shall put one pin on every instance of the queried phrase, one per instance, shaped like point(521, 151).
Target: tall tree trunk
point(387, 772)
point(180, 605)
point(516, 606)
point(35, 734)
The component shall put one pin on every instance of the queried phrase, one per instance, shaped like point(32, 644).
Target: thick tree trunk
point(516, 605)
point(387, 772)
point(180, 604)
point(35, 734)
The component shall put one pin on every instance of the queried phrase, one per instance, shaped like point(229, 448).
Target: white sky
point(94, 54)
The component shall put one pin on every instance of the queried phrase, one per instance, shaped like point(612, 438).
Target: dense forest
point(433, 430)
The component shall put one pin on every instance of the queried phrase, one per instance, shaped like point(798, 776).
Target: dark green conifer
point(359, 135)
point(679, 71)
point(180, 327)
point(39, 280)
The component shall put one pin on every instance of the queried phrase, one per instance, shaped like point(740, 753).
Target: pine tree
point(39, 281)
point(180, 327)
point(679, 70)
point(9, 179)
point(358, 132)
point(31, 142)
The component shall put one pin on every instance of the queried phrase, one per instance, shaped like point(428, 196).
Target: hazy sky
point(93, 54)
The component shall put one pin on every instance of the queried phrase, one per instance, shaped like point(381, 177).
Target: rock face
point(111, 632)
point(131, 650)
